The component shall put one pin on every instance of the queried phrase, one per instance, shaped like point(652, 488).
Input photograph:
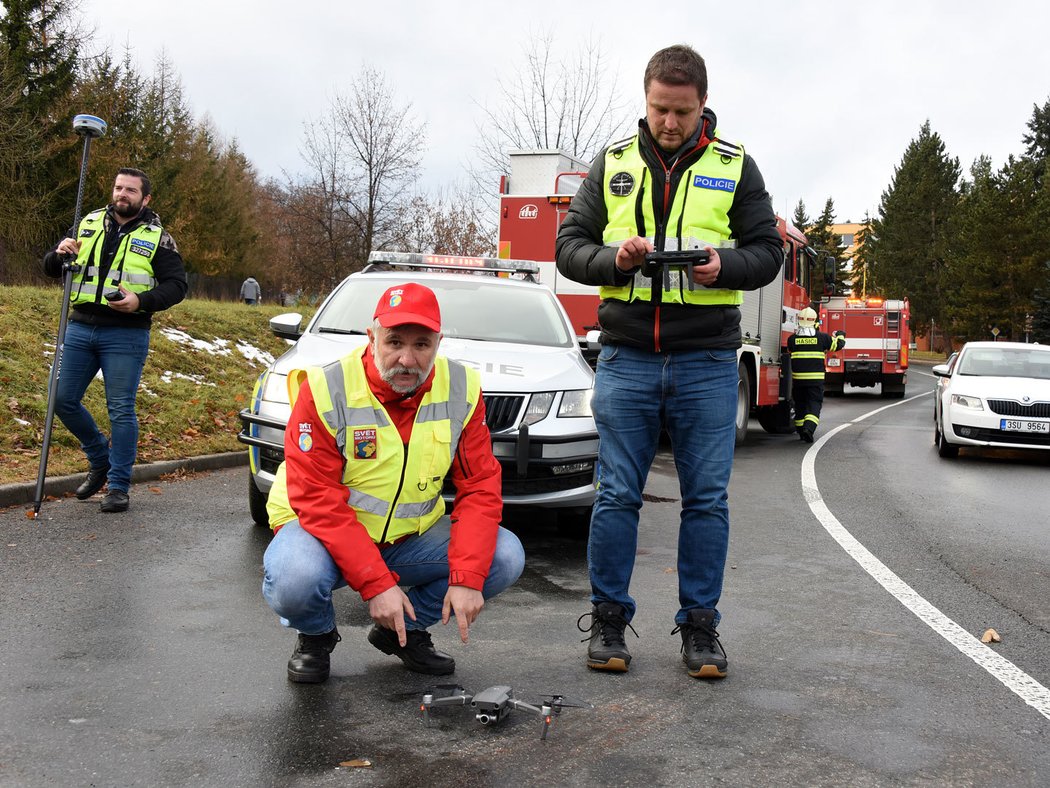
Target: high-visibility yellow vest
point(132, 264)
point(395, 490)
point(697, 217)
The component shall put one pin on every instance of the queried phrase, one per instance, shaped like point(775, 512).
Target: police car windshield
point(1009, 363)
point(482, 308)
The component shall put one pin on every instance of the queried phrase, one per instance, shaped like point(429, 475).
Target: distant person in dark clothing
point(808, 348)
point(128, 267)
point(251, 293)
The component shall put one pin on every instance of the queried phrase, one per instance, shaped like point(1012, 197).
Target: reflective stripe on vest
point(698, 217)
point(132, 264)
point(393, 491)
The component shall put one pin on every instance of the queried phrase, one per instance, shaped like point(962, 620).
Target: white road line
point(1024, 686)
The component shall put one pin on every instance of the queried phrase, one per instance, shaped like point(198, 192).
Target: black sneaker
point(607, 649)
point(418, 653)
point(95, 481)
point(310, 662)
point(702, 651)
point(115, 501)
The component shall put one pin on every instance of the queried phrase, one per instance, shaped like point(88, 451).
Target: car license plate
point(1015, 425)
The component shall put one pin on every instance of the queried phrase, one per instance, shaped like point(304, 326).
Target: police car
point(495, 318)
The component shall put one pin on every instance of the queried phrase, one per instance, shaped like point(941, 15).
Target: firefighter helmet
point(807, 318)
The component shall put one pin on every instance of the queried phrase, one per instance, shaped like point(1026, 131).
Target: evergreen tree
point(38, 61)
point(863, 270)
point(800, 219)
point(822, 237)
point(1037, 140)
point(1040, 317)
point(911, 237)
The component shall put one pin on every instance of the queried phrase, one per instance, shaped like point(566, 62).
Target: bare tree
point(361, 158)
point(445, 224)
point(384, 146)
point(571, 104)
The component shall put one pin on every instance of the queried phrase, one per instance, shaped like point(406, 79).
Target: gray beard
point(388, 375)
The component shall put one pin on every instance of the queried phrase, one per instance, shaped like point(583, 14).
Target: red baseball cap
point(408, 303)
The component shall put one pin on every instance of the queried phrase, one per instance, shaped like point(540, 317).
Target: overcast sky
point(825, 99)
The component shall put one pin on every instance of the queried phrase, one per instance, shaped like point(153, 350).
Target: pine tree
point(911, 245)
point(800, 219)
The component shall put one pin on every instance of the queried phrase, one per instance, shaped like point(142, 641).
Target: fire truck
point(877, 339)
point(534, 199)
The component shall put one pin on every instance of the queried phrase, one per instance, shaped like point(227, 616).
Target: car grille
point(502, 411)
point(1006, 407)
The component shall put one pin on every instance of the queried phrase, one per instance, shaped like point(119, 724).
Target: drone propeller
point(558, 702)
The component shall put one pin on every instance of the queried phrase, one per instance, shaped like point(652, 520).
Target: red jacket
point(319, 498)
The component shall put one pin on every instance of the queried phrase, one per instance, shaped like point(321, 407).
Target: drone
point(493, 704)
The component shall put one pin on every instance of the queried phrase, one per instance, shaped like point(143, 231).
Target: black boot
point(702, 651)
point(418, 653)
point(95, 481)
point(607, 649)
point(115, 501)
point(310, 662)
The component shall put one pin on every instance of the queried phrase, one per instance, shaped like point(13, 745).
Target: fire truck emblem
point(529, 211)
point(621, 184)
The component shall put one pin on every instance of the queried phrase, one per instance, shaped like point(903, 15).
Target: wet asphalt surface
point(137, 651)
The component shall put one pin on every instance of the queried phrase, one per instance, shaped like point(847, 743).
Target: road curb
point(25, 492)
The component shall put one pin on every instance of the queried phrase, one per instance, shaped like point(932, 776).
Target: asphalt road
point(137, 650)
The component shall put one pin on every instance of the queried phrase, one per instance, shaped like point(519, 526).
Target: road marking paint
point(1020, 683)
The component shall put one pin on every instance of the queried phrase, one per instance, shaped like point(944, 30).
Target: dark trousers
point(808, 396)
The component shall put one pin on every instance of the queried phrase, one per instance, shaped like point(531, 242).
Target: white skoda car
point(994, 394)
point(536, 384)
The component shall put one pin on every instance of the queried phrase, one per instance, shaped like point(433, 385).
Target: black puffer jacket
point(650, 325)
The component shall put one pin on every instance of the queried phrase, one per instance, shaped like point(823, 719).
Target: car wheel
point(945, 449)
point(743, 402)
point(257, 503)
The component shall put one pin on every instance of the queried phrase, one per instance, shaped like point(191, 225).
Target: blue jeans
point(120, 353)
point(299, 575)
point(692, 394)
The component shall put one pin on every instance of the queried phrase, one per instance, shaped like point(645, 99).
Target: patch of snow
point(167, 376)
point(253, 353)
point(219, 347)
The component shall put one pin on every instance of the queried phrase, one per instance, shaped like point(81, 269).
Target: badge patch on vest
point(306, 441)
point(718, 184)
point(144, 248)
point(86, 233)
point(621, 184)
point(365, 444)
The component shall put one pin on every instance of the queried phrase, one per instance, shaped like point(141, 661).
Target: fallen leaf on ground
point(357, 763)
point(156, 490)
point(991, 636)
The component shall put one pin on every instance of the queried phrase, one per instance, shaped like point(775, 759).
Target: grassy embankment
point(188, 400)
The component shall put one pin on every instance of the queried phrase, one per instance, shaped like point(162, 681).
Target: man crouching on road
point(357, 500)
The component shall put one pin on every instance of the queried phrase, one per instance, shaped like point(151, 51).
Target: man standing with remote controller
point(127, 268)
point(669, 339)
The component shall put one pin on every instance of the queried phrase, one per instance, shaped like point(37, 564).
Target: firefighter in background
point(808, 348)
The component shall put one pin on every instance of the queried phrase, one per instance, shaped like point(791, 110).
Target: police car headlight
point(964, 401)
point(575, 404)
point(275, 389)
point(539, 407)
